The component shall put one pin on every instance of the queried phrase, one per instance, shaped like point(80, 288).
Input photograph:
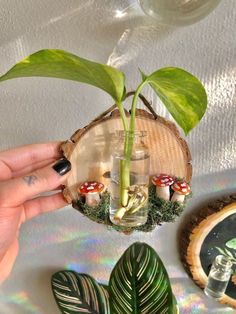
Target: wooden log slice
point(89, 150)
point(207, 235)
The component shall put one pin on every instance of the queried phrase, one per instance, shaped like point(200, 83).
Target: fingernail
point(62, 166)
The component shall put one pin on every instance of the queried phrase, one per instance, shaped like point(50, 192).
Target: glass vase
point(129, 180)
point(178, 12)
point(218, 277)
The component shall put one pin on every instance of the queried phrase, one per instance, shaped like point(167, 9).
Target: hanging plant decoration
point(128, 175)
point(169, 154)
point(139, 283)
point(211, 232)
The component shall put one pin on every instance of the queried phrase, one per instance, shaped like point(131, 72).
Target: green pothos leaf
point(64, 65)
point(79, 294)
point(139, 283)
point(182, 93)
point(231, 244)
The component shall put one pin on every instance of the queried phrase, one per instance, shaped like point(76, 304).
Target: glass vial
point(218, 277)
point(137, 169)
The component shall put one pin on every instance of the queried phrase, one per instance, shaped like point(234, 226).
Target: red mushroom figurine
point(162, 183)
point(181, 189)
point(91, 190)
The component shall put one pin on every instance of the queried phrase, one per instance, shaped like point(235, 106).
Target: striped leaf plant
point(138, 284)
point(181, 92)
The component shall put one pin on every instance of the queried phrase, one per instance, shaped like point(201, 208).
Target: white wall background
point(38, 110)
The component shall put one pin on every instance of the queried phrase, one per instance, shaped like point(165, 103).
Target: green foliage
point(181, 93)
point(79, 293)
point(138, 284)
point(64, 65)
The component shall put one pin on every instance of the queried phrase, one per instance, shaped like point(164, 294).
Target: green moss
point(98, 213)
point(159, 211)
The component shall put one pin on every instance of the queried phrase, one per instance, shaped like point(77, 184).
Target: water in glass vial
point(218, 277)
point(215, 287)
point(139, 179)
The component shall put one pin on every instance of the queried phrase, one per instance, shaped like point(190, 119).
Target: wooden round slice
point(89, 149)
point(211, 232)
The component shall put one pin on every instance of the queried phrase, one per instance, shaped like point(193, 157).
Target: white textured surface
point(38, 110)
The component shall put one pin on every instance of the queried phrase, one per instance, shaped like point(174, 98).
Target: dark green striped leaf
point(175, 306)
point(79, 294)
point(62, 64)
point(139, 283)
point(182, 93)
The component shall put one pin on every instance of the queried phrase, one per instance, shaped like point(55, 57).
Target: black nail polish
point(62, 166)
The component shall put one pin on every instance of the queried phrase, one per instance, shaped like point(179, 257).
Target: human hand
point(25, 173)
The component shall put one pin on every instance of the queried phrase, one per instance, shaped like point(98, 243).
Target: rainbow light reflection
point(188, 302)
point(22, 299)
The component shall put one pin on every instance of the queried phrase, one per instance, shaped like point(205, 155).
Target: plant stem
point(123, 116)
point(124, 179)
point(133, 108)
point(125, 162)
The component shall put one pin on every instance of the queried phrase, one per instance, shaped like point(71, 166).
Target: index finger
point(21, 157)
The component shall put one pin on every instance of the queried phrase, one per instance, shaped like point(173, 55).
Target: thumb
point(7, 262)
point(16, 191)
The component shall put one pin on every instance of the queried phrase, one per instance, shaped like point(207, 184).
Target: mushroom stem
point(163, 192)
point(92, 199)
point(178, 197)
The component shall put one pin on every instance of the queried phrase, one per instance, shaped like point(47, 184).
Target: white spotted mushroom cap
point(89, 187)
point(162, 180)
point(181, 187)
